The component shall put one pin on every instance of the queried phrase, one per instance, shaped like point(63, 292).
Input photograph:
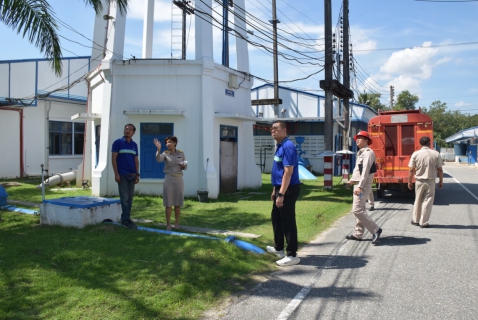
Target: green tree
point(36, 20)
point(446, 122)
point(406, 101)
point(372, 100)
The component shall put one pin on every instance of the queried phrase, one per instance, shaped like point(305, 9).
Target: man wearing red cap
point(362, 179)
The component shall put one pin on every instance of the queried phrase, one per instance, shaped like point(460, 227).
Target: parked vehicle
point(396, 136)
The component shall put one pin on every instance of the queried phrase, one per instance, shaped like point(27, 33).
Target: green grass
point(109, 272)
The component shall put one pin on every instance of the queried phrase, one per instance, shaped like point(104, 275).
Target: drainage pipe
point(230, 239)
point(57, 179)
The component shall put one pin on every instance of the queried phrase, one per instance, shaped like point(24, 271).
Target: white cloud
point(361, 41)
point(462, 104)
point(407, 69)
point(416, 62)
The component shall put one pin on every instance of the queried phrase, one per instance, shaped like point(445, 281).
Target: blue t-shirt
point(126, 151)
point(285, 156)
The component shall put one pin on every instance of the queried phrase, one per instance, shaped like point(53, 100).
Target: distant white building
point(38, 129)
point(304, 114)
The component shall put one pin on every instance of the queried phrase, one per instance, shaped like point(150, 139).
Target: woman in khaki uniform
point(173, 186)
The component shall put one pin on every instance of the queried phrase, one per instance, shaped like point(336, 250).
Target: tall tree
point(406, 101)
point(372, 100)
point(36, 20)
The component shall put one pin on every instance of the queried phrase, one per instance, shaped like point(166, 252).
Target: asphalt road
point(412, 273)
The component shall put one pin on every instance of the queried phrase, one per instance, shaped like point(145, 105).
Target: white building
point(304, 114)
point(39, 130)
point(206, 105)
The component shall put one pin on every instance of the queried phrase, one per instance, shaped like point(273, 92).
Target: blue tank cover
point(82, 202)
point(3, 192)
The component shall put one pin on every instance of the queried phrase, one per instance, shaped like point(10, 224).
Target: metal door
point(228, 159)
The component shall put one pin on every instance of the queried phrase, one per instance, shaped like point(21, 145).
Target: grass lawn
point(110, 272)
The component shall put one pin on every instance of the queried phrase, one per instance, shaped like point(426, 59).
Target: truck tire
point(380, 190)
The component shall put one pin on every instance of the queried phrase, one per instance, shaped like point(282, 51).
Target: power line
point(422, 47)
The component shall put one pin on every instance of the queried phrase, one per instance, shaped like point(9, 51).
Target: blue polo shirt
point(126, 151)
point(285, 156)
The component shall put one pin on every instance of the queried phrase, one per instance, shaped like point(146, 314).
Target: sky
point(429, 48)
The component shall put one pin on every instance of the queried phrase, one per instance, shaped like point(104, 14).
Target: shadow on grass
point(112, 272)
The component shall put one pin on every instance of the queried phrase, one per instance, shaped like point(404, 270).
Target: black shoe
point(415, 223)
point(376, 236)
point(425, 226)
point(352, 237)
point(371, 208)
point(129, 224)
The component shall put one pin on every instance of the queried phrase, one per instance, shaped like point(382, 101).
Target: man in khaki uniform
point(425, 164)
point(362, 179)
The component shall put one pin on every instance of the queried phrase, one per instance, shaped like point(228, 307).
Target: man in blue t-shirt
point(126, 168)
point(286, 190)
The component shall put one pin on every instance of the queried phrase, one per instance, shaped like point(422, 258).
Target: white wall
point(162, 85)
point(10, 142)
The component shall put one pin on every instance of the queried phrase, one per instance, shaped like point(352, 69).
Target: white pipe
point(47, 142)
point(57, 179)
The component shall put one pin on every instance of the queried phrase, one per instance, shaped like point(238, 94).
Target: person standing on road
point(424, 164)
point(362, 179)
point(173, 186)
point(285, 192)
point(126, 168)
point(371, 200)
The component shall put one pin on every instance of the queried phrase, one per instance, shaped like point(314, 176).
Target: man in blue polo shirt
point(286, 190)
point(126, 168)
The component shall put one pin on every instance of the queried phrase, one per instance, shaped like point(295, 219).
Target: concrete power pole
point(391, 97)
point(276, 65)
point(346, 79)
point(328, 129)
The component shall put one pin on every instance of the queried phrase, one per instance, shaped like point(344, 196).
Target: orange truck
point(396, 136)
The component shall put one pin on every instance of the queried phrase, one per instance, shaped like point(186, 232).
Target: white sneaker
point(273, 250)
point(288, 261)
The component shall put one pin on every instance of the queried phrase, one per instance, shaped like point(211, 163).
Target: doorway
point(228, 159)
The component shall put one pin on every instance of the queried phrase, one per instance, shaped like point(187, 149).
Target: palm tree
point(36, 19)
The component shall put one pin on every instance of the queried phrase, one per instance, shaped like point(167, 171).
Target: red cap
point(363, 134)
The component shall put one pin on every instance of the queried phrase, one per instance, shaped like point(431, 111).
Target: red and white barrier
point(328, 171)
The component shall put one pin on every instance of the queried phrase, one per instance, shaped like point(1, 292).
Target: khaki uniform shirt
point(366, 158)
point(172, 161)
point(425, 162)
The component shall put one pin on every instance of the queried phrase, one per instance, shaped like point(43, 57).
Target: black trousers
point(283, 221)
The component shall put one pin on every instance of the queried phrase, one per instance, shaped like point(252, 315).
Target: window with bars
point(391, 141)
point(408, 140)
point(66, 138)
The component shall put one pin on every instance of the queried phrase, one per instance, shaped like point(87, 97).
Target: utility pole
point(225, 31)
point(392, 91)
point(274, 22)
point(275, 101)
point(183, 5)
point(346, 79)
point(328, 129)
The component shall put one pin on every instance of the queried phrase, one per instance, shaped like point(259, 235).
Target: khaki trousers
point(424, 197)
point(362, 219)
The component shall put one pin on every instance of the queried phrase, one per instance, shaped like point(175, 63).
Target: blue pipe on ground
point(230, 239)
point(21, 210)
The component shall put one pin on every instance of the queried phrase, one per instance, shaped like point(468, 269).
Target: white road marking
point(294, 303)
point(462, 185)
